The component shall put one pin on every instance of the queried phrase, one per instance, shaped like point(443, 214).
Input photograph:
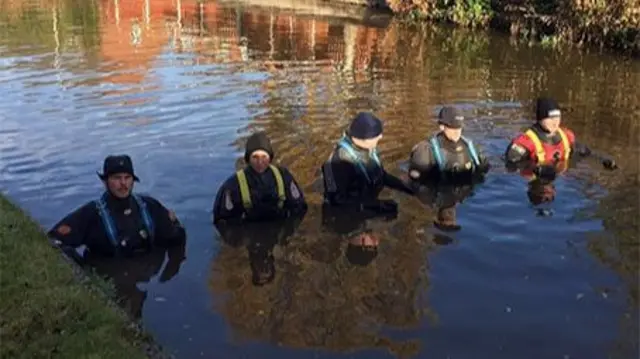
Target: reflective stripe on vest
point(540, 153)
point(109, 225)
point(356, 157)
point(245, 194)
point(435, 147)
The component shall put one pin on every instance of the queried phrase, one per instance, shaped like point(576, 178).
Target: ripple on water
point(509, 282)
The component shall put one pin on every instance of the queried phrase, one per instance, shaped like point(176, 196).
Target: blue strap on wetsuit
point(349, 148)
point(109, 225)
point(435, 146)
point(472, 151)
point(146, 217)
point(107, 222)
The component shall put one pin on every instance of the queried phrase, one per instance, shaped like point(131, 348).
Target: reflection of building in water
point(129, 42)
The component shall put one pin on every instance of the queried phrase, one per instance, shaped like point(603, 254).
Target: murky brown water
point(180, 84)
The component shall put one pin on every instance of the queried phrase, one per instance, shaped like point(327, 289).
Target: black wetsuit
point(357, 182)
point(457, 165)
point(85, 226)
point(263, 188)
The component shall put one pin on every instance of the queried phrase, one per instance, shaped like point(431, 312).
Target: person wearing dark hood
point(261, 191)
point(118, 223)
point(354, 176)
point(546, 148)
point(447, 155)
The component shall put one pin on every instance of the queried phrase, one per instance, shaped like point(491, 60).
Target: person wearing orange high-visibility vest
point(545, 148)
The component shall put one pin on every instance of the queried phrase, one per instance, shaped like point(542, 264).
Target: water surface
point(179, 85)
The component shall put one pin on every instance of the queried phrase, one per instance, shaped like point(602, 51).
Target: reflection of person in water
point(358, 230)
point(260, 239)
point(444, 198)
point(539, 192)
point(128, 272)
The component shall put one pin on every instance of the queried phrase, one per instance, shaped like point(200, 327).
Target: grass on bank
point(45, 310)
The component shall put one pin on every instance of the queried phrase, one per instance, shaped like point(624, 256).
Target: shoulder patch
point(228, 204)
point(518, 148)
point(172, 216)
point(63, 229)
point(295, 192)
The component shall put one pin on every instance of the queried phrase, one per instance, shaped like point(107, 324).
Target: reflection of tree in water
point(417, 69)
point(52, 24)
point(319, 300)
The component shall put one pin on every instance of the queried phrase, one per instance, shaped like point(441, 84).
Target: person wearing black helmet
point(119, 222)
point(447, 155)
point(261, 191)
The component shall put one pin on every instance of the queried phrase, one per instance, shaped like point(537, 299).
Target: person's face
point(551, 124)
point(366, 240)
point(259, 161)
point(367, 144)
point(120, 184)
point(453, 134)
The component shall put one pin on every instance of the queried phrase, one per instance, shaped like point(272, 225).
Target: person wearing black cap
point(261, 191)
point(546, 148)
point(447, 155)
point(353, 175)
point(119, 222)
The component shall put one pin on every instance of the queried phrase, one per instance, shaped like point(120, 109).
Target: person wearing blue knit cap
point(354, 175)
point(353, 178)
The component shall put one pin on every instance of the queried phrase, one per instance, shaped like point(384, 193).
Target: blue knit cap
point(365, 126)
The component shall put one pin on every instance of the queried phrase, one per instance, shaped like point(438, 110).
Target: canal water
point(180, 84)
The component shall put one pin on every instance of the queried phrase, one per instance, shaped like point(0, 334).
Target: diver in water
point(546, 148)
point(261, 191)
point(354, 175)
point(119, 222)
point(447, 156)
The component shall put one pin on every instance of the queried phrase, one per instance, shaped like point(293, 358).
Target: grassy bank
point(46, 310)
point(610, 24)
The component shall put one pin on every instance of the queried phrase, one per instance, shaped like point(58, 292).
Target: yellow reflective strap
point(565, 144)
point(244, 189)
point(536, 142)
point(280, 182)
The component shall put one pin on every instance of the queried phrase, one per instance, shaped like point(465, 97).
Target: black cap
point(117, 164)
point(258, 141)
point(451, 117)
point(365, 126)
point(546, 107)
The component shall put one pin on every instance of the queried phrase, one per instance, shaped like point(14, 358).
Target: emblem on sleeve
point(228, 204)
point(64, 229)
point(295, 192)
point(521, 150)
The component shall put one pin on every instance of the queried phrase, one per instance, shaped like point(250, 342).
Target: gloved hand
point(609, 164)
point(545, 172)
point(484, 165)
